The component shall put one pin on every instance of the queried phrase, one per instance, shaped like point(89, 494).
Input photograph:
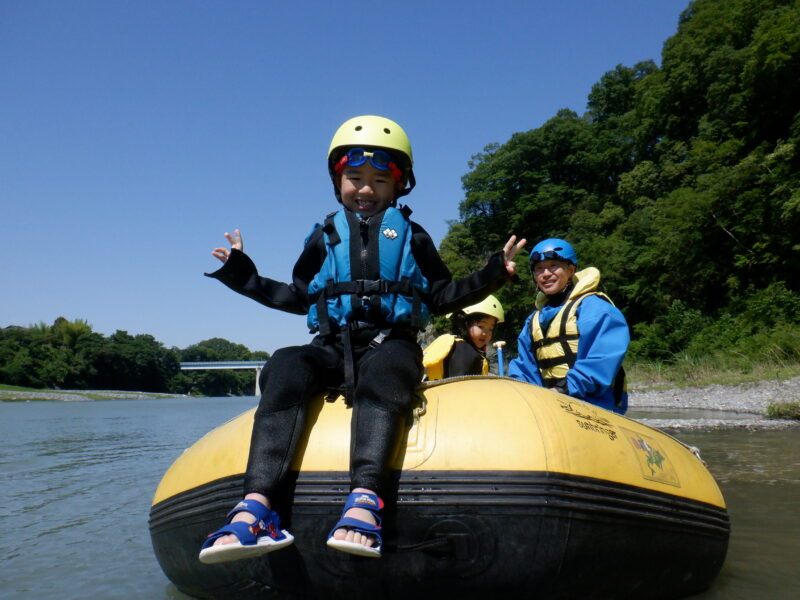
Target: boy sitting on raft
point(368, 279)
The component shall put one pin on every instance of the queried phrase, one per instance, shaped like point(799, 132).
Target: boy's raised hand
point(235, 241)
point(510, 250)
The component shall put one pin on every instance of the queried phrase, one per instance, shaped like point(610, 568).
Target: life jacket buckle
point(369, 287)
point(378, 339)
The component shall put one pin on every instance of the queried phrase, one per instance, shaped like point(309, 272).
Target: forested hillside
point(680, 182)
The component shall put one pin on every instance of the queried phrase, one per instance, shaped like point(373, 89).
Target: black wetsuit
point(387, 374)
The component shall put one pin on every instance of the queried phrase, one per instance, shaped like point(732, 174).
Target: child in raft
point(463, 352)
point(368, 279)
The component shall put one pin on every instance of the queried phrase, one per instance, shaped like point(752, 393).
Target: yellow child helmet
point(373, 132)
point(488, 306)
point(370, 130)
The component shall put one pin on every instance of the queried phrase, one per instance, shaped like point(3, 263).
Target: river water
point(78, 479)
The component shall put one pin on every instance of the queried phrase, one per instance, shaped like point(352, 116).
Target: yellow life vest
point(437, 351)
point(556, 350)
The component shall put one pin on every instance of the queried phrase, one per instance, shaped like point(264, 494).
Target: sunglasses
point(546, 255)
point(355, 157)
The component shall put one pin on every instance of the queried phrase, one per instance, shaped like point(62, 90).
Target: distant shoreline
point(79, 395)
point(717, 403)
point(739, 406)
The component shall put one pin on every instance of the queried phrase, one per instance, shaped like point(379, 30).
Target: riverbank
point(712, 406)
point(14, 395)
point(718, 406)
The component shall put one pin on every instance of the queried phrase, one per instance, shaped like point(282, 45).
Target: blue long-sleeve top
point(603, 342)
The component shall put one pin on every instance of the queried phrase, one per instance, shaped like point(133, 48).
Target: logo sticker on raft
point(653, 461)
point(588, 419)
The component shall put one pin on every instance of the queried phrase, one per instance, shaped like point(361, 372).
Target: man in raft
point(575, 339)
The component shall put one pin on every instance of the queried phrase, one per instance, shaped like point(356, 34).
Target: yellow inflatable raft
point(502, 488)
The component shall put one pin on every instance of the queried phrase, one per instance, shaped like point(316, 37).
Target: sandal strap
point(370, 502)
point(358, 525)
point(267, 522)
point(254, 507)
point(240, 529)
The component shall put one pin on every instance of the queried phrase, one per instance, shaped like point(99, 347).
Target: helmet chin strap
point(412, 181)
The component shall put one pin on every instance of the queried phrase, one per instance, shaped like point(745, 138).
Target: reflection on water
point(78, 479)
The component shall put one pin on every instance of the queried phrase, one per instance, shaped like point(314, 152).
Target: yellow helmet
point(374, 132)
point(488, 306)
point(370, 130)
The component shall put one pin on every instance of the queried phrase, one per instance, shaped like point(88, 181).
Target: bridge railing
point(227, 364)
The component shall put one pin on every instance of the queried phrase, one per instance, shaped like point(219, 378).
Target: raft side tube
point(477, 424)
point(475, 531)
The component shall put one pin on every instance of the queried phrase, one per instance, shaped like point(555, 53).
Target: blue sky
point(134, 134)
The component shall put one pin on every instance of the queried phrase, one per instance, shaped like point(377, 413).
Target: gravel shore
point(715, 406)
point(77, 395)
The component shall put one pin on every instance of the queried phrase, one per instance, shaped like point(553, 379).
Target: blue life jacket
point(369, 274)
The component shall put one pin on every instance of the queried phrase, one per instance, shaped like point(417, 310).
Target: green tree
point(126, 362)
point(44, 355)
point(681, 183)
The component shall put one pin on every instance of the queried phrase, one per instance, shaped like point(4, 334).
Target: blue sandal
point(373, 504)
point(265, 535)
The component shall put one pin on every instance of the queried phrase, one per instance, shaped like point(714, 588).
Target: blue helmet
point(554, 248)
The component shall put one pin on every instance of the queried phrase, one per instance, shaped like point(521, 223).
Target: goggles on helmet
point(355, 157)
point(546, 255)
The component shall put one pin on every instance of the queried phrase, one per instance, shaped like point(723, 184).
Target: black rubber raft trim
point(503, 490)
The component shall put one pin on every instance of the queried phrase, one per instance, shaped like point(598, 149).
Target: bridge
point(227, 364)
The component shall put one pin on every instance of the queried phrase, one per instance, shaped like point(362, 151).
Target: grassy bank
point(699, 372)
point(784, 410)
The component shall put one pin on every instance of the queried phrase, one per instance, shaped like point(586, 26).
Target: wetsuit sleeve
point(447, 295)
point(604, 340)
point(524, 367)
point(240, 274)
point(463, 360)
